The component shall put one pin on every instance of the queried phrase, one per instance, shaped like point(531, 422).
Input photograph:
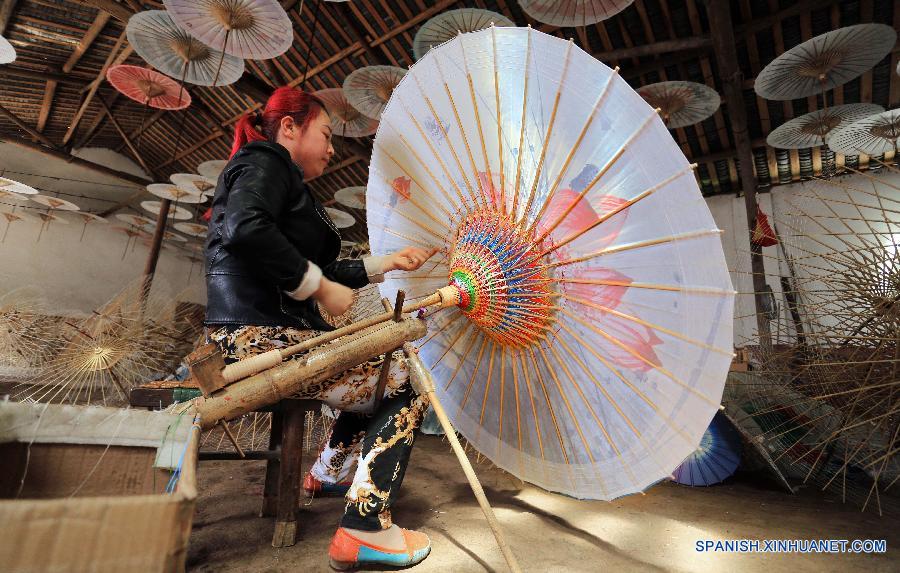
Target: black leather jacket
point(266, 227)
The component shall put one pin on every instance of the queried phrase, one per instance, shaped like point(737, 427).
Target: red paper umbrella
point(148, 87)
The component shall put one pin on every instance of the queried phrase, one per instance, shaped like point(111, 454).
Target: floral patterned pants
point(383, 439)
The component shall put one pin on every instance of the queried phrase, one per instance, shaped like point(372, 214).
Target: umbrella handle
point(423, 383)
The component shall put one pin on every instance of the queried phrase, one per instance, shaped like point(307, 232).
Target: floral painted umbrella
point(592, 331)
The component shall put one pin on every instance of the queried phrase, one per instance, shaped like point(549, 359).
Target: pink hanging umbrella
point(148, 87)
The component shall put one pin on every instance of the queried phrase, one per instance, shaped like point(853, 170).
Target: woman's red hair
point(284, 101)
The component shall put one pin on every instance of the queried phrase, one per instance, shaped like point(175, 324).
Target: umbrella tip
point(721, 407)
point(616, 70)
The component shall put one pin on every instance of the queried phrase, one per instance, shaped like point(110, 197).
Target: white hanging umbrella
point(573, 13)
point(54, 202)
point(192, 229)
point(446, 25)
point(346, 120)
point(175, 212)
point(194, 184)
point(16, 187)
point(369, 89)
point(341, 219)
point(175, 193)
point(211, 169)
point(246, 29)
point(354, 197)
point(815, 128)
point(7, 52)
point(681, 103)
point(873, 135)
point(174, 52)
point(593, 334)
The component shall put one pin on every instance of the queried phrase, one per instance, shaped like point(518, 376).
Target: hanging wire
point(312, 38)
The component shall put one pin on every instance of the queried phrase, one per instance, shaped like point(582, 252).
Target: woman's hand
point(409, 259)
point(334, 297)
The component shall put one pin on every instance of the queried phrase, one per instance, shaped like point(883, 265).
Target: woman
point(271, 256)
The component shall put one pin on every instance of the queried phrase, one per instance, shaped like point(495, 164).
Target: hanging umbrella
point(682, 103)
point(11, 186)
point(192, 229)
point(87, 219)
point(872, 135)
point(14, 217)
point(717, 457)
point(825, 62)
point(175, 212)
point(447, 25)
point(588, 350)
point(815, 128)
point(211, 169)
point(341, 219)
point(170, 236)
point(194, 184)
point(354, 197)
point(136, 220)
point(572, 13)
point(246, 29)
point(7, 52)
point(369, 89)
point(46, 219)
point(174, 52)
point(148, 87)
point(346, 120)
point(54, 202)
point(175, 193)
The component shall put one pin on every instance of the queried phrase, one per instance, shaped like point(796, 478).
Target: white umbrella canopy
point(815, 128)
point(174, 52)
point(589, 350)
point(354, 197)
point(681, 103)
point(211, 169)
point(872, 135)
point(368, 89)
point(825, 61)
point(175, 193)
point(346, 120)
point(341, 219)
point(7, 52)
point(175, 212)
point(446, 25)
point(246, 29)
point(573, 13)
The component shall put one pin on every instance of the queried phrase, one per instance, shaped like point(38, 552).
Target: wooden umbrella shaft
point(421, 379)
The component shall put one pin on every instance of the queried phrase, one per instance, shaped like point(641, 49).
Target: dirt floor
point(653, 532)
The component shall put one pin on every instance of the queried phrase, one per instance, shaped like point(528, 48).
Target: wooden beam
point(102, 169)
point(27, 128)
point(338, 166)
point(17, 72)
point(118, 11)
point(7, 7)
point(124, 136)
point(94, 128)
point(181, 155)
point(73, 126)
point(722, 34)
point(44, 114)
point(421, 17)
point(664, 47)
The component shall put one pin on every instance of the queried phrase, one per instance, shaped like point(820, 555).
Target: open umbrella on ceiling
point(7, 52)
point(192, 229)
point(174, 52)
point(246, 29)
point(174, 193)
point(815, 128)
point(194, 184)
point(341, 219)
point(590, 330)
point(175, 212)
point(447, 25)
point(88, 219)
point(825, 61)
point(346, 120)
point(148, 87)
point(572, 13)
point(211, 169)
point(354, 197)
point(873, 135)
point(15, 187)
point(681, 103)
point(369, 89)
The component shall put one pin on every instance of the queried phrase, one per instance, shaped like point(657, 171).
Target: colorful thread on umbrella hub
point(503, 290)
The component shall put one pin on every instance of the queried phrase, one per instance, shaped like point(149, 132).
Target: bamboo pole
point(422, 382)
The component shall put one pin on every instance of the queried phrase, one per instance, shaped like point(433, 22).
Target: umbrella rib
point(726, 352)
point(499, 122)
point(487, 166)
point(587, 448)
point(412, 220)
point(462, 404)
point(520, 153)
point(441, 328)
point(487, 387)
point(562, 170)
point(650, 286)
point(636, 245)
point(515, 373)
point(537, 425)
point(548, 134)
point(427, 169)
point(540, 379)
point(407, 237)
point(462, 360)
point(450, 346)
point(502, 397)
point(428, 213)
point(630, 351)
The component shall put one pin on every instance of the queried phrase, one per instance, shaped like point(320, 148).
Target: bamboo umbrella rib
point(462, 360)
point(587, 447)
point(519, 155)
point(441, 329)
point(537, 424)
point(548, 134)
point(636, 245)
point(487, 387)
point(651, 286)
point(499, 122)
point(540, 379)
point(575, 147)
point(658, 328)
point(415, 222)
point(502, 397)
point(462, 403)
point(408, 238)
point(515, 373)
point(442, 224)
point(427, 169)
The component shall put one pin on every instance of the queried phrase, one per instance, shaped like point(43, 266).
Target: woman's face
point(310, 148)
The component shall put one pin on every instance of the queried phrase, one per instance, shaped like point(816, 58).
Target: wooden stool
point(283, 458)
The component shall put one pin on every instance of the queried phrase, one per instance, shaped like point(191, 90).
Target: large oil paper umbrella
point(149, 87)
point(825, 62)
point(717, 457)
point(246, 29)
point(346, 120)
point(54, 202)
point(175, 212)
point(7, 52)
point(194, 184)
point(872, 135)
point(681, 103)
point(175, 193)
point(16, 187)
point(573, 13)
point(174, 52)
point(192, 229)
point(341, 219)
point(369, 89)
point(815, 128)
point(588, 350)
point(446, 25)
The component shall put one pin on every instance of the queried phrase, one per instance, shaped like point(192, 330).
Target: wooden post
point(722, 35)
point(289, 475)
point(153, 257)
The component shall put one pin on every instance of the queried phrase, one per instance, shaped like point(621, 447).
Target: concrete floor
point(652, 532)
